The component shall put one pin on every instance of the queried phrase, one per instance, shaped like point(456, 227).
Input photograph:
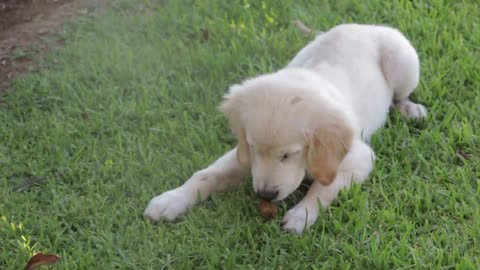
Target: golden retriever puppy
point(314, 117)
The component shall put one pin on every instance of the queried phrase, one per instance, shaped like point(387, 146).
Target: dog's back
point(370, 64)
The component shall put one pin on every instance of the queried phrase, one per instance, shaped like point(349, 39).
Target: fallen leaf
point(205, 34)
point(83, 11)
point(84, 115)
point(302, 27)
point(41, 259)
point(464, 154)
point(27, 183)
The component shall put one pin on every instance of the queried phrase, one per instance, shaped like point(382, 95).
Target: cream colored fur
point(314, 116)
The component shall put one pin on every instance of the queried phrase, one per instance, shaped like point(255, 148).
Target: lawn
point(127, 109)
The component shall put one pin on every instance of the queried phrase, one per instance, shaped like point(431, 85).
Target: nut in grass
point(268, 210)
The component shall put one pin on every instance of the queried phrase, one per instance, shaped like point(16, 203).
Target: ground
point(30, 28)
point(126, 108)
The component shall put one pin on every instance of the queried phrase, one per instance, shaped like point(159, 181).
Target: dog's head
point(288, 123)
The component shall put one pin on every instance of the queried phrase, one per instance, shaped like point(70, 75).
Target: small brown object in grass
point(268, 209)
point(41, 259)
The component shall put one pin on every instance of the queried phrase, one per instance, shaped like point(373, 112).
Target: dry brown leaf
point(41, 259)
point(84, 115)
point(205, 34)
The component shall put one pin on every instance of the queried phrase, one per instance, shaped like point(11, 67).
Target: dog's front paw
point(169, 205)
point(411, 109)
point(300, 218)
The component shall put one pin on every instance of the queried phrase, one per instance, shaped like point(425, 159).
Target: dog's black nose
point(267, 194)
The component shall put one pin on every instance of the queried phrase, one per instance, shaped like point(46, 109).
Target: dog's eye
point(284, 157)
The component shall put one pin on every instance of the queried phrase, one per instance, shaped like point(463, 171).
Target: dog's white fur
point(315, 116)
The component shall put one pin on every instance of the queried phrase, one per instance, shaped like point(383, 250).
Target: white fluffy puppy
point(313, 117)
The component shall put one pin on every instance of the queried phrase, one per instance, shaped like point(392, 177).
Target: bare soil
point(29, 28)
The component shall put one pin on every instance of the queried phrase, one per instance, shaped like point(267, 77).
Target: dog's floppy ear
point(328, 143)
point(243, 150)
point(231, 107)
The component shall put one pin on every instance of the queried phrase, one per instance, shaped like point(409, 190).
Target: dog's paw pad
point(411, 109)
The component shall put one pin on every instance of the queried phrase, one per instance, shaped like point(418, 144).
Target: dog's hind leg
point(401, 68)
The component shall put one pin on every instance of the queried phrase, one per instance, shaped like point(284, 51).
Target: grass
point(127, 110)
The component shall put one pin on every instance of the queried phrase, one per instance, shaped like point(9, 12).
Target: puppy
point(315, 117)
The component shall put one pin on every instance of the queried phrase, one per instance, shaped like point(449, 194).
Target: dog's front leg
point(356, 167)
point(224, 172)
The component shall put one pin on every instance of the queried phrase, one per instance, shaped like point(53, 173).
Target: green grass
point(127, 110)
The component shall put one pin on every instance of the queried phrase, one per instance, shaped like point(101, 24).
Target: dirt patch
point(28, 28)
